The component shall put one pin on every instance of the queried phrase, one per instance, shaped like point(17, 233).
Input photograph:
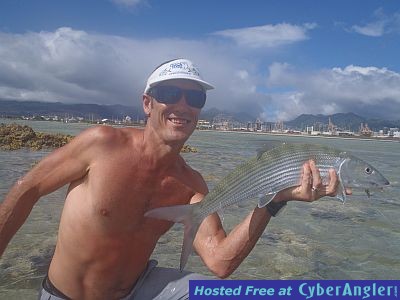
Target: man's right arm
point(223, 253)
point(61, 167)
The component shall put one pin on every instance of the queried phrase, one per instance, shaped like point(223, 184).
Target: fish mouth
point(372, 186)
point(380, 185)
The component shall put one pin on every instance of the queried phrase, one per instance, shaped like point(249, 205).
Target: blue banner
point(294, 289)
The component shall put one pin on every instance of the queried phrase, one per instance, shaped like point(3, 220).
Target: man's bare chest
point(129, 190)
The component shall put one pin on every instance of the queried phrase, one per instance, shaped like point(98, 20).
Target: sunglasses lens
point(195, 98)
point(171, 94)
point(168, 94)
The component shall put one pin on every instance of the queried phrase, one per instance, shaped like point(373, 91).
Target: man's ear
point(147, 104)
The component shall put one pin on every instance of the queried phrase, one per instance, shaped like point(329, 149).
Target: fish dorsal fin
point(267, 147)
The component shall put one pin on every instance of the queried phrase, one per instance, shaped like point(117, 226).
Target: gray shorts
point(154, 283)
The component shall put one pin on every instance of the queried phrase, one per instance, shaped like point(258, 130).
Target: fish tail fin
point(184, 214)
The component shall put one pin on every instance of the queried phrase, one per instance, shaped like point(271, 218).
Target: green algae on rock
point(15, 136)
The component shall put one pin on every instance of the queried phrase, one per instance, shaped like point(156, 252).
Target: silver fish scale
point(270, 173)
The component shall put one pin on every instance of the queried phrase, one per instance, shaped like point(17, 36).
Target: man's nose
point(182, 100)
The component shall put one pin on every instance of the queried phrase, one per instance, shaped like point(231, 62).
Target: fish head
point(356, 173)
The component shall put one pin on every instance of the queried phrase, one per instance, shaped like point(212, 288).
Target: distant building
point(309, 129)
point(393, 132)
point(203, 124)
point(278, 127)
point(332, 128)
point(223, 122)
point(258, 125)
point(345, 133)
point(365, 131)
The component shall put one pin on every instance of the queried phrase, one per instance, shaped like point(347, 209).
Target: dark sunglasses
point(169, 94)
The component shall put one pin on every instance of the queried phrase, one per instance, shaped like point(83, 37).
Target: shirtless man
point(115, 176)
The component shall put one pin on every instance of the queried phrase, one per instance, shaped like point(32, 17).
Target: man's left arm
point(223, 253)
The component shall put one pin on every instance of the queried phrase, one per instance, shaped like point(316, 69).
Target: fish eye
point(368, 170)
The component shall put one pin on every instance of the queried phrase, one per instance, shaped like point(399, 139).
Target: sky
point(275, 59)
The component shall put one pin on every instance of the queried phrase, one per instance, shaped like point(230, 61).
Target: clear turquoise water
point(323, 240)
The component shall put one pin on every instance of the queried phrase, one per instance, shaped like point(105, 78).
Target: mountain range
point(344, 121)
point(347, 121)
point(88, 111)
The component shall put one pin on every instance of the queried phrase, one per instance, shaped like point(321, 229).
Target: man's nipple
point(104, 212)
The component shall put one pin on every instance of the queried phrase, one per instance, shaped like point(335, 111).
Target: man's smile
point(179, 121)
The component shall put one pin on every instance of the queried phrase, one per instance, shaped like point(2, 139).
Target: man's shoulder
point(195, 177)
point(107, 134)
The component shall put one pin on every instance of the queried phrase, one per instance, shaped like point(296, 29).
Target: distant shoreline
point(379, 139)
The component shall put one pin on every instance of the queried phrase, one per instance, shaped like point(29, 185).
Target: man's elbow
point(224, 275)
point(222, 271)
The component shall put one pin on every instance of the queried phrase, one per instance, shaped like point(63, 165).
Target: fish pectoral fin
point(264, 199)
point(341, 193)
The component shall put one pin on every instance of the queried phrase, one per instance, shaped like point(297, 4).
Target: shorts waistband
point(50, 288)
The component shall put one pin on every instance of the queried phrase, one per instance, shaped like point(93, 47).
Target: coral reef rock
point(15, 136)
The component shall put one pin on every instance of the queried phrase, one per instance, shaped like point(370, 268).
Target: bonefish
point(263, 176)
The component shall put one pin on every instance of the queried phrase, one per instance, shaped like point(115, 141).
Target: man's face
point(173, 122)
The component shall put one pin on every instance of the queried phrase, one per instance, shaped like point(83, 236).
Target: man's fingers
point(331, 188)
point(349, 191)
point(305, 175)
point(311, 181)
point(312, 187)
point(316, 177)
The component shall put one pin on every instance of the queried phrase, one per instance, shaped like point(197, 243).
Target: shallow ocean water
point(322, 240)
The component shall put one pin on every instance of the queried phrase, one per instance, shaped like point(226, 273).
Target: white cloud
point(66, 65)
point(128, 3)
point(74, 66)
point(364, 90)
point(268, 36)
point(382, 24)
point(374, 29)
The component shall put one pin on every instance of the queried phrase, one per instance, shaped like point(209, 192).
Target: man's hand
point(312, 188)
